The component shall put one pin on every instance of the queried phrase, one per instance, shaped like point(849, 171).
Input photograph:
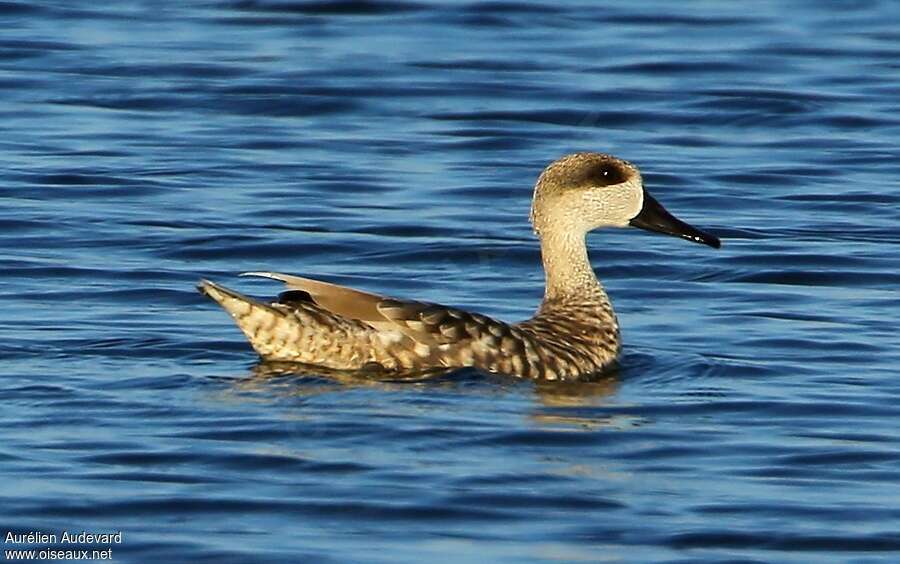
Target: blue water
point(392, 145)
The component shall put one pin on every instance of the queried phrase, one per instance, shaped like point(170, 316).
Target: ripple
point(482, 65)
point(13, 8)
point(677, 67)
point(771, 540)
point(327, 8)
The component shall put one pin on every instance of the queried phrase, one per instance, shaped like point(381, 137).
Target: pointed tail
point(266, 327)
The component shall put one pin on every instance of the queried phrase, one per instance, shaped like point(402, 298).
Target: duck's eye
point(607, 175)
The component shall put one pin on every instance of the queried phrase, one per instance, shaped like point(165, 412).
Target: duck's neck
point(567, 269)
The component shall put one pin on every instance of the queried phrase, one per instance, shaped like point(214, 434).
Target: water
point(393, 146)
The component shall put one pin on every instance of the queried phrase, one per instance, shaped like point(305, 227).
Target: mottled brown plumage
point(573, 335)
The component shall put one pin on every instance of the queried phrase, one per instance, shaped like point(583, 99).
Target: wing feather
point(341, 300)
point(426, 323)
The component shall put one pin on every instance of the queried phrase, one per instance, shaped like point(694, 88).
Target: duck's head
point(584, 191)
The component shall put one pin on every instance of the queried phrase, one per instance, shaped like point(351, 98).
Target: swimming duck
point(574, 333)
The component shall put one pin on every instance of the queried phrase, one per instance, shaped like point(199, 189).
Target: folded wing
point(426, 323)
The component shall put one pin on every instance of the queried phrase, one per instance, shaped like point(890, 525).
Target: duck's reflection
point(576, 404)
point(569, 404)
point(577, 394)
point(374, 375)
point(297, 379)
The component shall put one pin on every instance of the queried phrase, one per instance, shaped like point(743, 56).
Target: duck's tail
point(267, 327)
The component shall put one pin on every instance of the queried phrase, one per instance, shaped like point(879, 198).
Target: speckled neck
point(567, 269)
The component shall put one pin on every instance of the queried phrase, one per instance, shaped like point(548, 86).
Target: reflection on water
point(368, 375)
point(577, 394)
point(298, 379)
point(559, 403)
point(556, 403)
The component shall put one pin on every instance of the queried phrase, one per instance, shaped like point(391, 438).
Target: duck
point(573, 335)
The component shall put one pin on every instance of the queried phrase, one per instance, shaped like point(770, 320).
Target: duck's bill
point(654, 217)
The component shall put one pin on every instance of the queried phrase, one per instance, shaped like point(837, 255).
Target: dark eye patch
point(607, 174)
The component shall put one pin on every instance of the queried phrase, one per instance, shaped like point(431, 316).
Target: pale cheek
point(607, 208)
point(633, 202)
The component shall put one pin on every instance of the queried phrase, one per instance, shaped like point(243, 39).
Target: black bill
point(654, 217)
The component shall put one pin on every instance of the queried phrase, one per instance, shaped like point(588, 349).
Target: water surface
point(393, 146)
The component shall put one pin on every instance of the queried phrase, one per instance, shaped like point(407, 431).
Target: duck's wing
point(426, 323)
point(435, 324)
point(344, 301)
